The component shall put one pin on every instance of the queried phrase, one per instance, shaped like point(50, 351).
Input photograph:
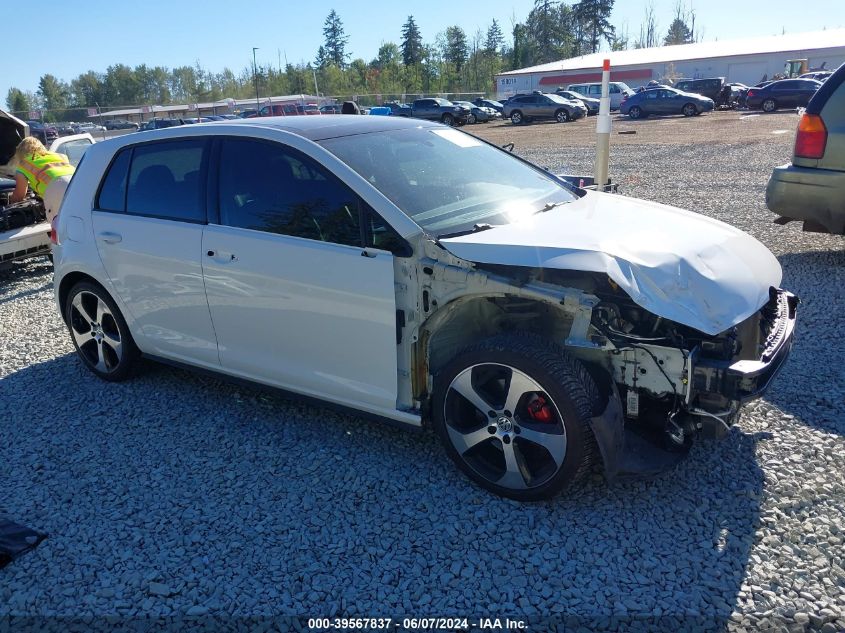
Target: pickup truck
point(24, 231)
point(443, 110)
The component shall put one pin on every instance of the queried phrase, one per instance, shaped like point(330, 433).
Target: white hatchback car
point(412, 272)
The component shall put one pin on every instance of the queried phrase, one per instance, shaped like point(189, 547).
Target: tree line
point(454, 61)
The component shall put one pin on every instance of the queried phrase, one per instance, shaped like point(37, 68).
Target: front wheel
point(448, 119)
point(689, 110)
point(471, 119)
point(516, 117)
point(513, 414)
point(99, 332)
point(562, 116)
point(769, 105)
point(635, 112)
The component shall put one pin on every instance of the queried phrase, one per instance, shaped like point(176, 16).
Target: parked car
point(618, 90)
point(398, 109)
point(592, 104)
point(489, 103)
point(331, 108)
point(417, 274)
point(286, 109)
point(665, 101)
point(45, 133)
point(478, 114)
point(437, 109)
point(811, 188)
point(88, 127)
point(64, 128)
point(785, 93)
point(24, 230)
point(118, 124)
point(523, 108)
point(159, 124)
point(710, 88)
point(247, 114)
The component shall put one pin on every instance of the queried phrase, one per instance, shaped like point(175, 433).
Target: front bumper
point(744, 380)
point(816, 196)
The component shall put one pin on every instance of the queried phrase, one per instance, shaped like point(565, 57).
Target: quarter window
point(113, 190)
point(165, 182)
point(267, 187)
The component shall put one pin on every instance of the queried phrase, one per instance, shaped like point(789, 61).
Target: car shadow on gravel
point(244, 502)
point(811, 386)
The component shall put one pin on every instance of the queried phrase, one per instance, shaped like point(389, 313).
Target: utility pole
point(255, 77)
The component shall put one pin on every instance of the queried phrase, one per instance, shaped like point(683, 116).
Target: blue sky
point(221, 33)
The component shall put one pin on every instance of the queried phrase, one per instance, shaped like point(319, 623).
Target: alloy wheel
point(505, 426)
point(95, 331)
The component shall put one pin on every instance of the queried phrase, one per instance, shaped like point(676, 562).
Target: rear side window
point(165, 181)
point(269, 187)
point(595, 90)
point(113, 190)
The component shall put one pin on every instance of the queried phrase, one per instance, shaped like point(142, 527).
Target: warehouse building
point(746, 61)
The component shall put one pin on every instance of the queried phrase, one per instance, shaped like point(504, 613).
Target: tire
point(471, 119)
point(99, 332)
point(689, 110)
point(535, 451)
point(769, 105)
point(516, 117)
point(562, 116)
point(635, 112)
point(448, 119)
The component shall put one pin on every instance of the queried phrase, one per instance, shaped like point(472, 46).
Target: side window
point(267, 187)
point(113, 190)
point(614, 89)
point(595, 90)
point(379, 234)
point(164, 181)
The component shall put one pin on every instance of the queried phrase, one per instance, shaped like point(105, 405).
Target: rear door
point(148, 222)
point(296, 300)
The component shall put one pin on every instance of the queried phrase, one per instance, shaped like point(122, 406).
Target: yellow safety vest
point(41, 170)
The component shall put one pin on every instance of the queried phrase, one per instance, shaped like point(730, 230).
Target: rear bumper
point(816, 196)
point(24, 242)
point(745, 380)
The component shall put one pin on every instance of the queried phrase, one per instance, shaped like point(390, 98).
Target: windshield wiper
point(550, 205)
point(476, 228)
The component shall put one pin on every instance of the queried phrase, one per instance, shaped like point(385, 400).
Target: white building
point(746, 61)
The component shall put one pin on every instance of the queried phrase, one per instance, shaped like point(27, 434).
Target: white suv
point(409, 271)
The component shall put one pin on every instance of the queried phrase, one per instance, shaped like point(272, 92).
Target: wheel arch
point(69, 281)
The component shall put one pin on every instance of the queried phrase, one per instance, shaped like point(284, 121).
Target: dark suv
point(443, 110)
point(812, 187)
point(538, 105)
point(44, 133)
point(711, 88)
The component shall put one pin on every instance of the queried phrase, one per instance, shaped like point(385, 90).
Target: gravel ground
point(178, 494)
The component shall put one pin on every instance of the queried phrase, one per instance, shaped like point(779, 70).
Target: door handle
point(368, 254)
point(231, 257)
point(111, 238)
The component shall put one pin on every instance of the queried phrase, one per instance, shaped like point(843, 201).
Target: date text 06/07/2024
point(415, 624)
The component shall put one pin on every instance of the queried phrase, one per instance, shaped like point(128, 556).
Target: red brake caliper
point(539, 410)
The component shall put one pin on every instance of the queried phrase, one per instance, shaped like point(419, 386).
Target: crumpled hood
point(679, 265)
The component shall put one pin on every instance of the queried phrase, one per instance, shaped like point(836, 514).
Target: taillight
point(54, 230)
point(811, 138)
point(750, 93)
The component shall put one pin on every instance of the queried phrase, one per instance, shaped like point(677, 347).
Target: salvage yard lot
point(176, 493)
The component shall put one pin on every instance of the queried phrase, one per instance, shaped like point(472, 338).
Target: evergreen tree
point(595, 15)
point(16, 101)
point(494, 40)
point(679, 33)
point(412, 46)
point(53, 93)
point(336, 40)
point(455, 50)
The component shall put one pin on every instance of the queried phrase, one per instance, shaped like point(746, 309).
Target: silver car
point(524, 108)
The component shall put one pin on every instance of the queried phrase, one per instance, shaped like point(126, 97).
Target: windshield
point(556, 98)
point(448, 181)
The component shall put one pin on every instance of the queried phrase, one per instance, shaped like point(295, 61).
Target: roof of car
point(317, 128)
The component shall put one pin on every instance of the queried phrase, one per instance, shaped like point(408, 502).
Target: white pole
point(603, 129)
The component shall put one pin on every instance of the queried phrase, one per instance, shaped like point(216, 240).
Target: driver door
point(296, 299)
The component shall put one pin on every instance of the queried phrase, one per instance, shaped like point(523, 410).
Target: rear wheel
point(562, 116)
point(689, 110)
point(99, 332)
point(513, 414)
point(635, 112)
point(471, 118)
point(769, 105)
point(516, 117)
point(448, 119)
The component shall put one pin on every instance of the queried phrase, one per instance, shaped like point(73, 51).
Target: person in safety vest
point(47, 173)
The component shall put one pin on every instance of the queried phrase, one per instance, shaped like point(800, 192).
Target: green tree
point(455, 49)
point(335, 40)
point(87, 90)
point(54, 96)
point(412, 44)
point(17, 101)
point(494, 40)
point(679, 33)
point(595, 15)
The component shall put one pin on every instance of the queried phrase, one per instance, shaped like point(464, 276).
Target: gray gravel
point(179, 494)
